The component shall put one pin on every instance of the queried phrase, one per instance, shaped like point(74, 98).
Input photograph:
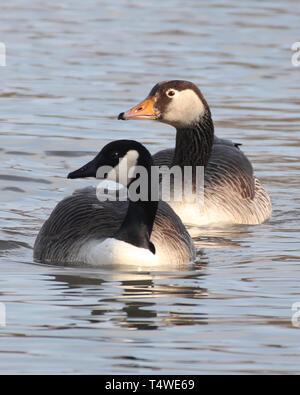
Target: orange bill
point(144, 110)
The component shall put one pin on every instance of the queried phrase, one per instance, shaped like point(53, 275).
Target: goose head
point(117, 161)
point(177, 103)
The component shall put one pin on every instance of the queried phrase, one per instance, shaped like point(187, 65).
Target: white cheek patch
point(184, 109)
point(123, 172)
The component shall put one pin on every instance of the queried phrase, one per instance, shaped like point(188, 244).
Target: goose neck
point(194, 143)
point(137, 226)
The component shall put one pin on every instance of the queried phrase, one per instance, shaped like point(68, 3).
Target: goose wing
point(81, 217)
point(228, 168)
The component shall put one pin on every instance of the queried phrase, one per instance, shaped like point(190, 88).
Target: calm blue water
point(72, 66)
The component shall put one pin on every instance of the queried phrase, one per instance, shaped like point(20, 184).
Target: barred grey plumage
point(232, 194)
point(81, 217)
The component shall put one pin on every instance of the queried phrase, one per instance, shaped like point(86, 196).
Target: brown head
point(178, 103)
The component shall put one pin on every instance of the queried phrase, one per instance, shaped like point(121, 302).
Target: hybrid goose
point(232, 194)
point(82, 229)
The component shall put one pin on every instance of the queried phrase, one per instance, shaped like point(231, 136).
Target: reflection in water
point(140, 315)
point(218, 237)
point(137, 302)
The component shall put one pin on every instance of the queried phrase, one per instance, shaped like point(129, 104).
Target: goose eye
point(171, 93)
point(115, 155)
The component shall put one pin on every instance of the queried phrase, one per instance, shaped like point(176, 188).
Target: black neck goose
point(82, 229)
point(232, 194)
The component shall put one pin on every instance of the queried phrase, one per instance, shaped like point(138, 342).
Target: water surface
point(72, 66)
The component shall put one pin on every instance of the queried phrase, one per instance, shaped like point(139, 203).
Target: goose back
point(81, 218)
point(232, 194)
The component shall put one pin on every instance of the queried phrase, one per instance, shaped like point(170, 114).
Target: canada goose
point(232, 194)
point(82, 229)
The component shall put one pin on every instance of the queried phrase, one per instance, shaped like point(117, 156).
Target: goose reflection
point(218, 237)
point(135, 301)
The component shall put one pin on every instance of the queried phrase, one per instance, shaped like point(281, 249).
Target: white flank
point(116, 252)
